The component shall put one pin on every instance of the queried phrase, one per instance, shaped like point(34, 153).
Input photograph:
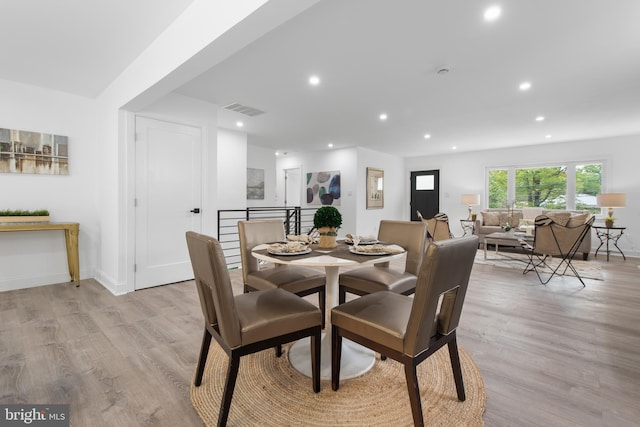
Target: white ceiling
point(78, 46)
point(581, 56)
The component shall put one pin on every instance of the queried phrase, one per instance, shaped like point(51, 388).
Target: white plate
point(368, 242)
point(354, 251)
point(306, 251)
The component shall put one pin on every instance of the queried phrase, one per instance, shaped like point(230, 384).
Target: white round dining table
point(356, 359)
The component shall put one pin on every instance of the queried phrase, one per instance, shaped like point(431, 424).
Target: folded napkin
point(287, 248)
point(304, 238)
point(360, 239)
point(377, 248)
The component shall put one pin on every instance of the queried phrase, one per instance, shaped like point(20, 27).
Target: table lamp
point(470, 200)
point(611, 200)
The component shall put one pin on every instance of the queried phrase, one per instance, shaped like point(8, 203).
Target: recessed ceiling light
point(427, 136)
point(454, 148)
point(547, 136)
point(277, 154)
point(314, 80)
point(525, 86)
point(492, 13)
point(383, 116)
point(539, 118)
point(239, 124)
point(330, 145)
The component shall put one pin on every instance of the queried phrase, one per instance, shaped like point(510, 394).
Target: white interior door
point(292, 187)
point(168, 195)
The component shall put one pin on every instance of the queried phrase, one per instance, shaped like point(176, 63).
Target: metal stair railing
point(296, 221)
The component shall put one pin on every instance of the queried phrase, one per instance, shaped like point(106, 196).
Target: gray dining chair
point(411, 329)
point(246, 323)
point(412, 236)
point(301, 281)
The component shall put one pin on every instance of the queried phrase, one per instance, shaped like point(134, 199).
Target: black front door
point(425, 194)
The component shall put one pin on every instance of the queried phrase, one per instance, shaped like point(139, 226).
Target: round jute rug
point(270, 392)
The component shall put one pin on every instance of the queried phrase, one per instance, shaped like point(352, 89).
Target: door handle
point(195, 210)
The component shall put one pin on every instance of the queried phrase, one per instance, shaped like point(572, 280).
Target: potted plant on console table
point(327, 220)
point(24, 216)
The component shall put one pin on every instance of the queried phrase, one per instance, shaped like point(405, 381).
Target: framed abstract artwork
point(323, 188)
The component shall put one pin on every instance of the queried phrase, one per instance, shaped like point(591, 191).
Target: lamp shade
point(470, 199)
point(611, 200)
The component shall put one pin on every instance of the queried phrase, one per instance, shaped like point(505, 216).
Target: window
point(498, 188)
point(588, 186)
point(425, 182)
point(570, 186)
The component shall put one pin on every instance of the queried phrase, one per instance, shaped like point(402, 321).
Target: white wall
point(188, 47)
point(352, 164)
point(395, 181)
point(232, 169)
point(344, 161)
point(466, 173)
point(37, 258)
point(101, 131)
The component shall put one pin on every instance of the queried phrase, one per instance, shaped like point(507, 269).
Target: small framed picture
point(375, 188)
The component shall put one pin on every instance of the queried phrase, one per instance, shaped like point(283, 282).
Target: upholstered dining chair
point(301, 281)
point(438, 227)
point(553, 239)
point(411, 329)
point(249, 322)
point(412, 236)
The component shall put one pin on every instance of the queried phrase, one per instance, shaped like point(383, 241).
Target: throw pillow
point(525, 221)
point(561, 218)
point(517, 216)
point(577, 219)
point(502, 218)
point(490, 218)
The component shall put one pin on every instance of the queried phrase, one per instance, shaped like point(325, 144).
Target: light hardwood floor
point(555, 355)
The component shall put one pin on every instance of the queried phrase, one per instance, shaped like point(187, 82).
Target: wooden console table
point(71, 230)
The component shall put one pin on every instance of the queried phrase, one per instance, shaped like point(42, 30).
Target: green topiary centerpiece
point(327, 220)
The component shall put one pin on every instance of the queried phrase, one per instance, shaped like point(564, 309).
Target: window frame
point(570, 192)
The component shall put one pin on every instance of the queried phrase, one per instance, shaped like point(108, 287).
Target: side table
point(468, 226)
point(606, 234)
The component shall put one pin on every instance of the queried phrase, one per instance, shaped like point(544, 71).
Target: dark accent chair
point(552, 239)
point(246, 323)
point(301, 281)
point(412, 236)
point(407, 329)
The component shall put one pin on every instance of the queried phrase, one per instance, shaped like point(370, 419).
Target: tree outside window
point(542, 187)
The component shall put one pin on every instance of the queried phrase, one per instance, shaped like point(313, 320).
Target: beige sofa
point(492, 220)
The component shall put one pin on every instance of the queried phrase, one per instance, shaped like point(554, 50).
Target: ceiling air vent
point(243, 109)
